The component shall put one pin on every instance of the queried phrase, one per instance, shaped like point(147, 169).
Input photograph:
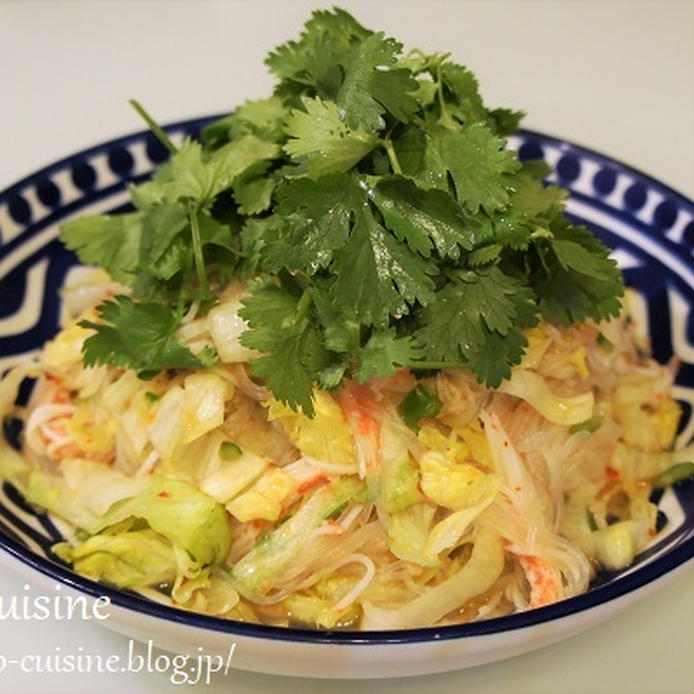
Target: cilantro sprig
point(139, 333)
point(373, 206)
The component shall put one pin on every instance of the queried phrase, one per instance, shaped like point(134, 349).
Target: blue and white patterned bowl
point(649, 226)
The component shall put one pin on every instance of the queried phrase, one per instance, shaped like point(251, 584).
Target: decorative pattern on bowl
point(649, 226)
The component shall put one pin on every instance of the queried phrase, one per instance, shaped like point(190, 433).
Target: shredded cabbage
point(201, 489)
point(531, 387)
point(482, 569)
point(129, 559)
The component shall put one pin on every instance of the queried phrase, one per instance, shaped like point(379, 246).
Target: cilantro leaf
point(377, 192)
point(218, 132)
point(463, 86)
point(477, 163)
point(426, 92)
point(395, 89)
point(424, 218)
point(139, 335)
point(267, 311)
point(454, 321)
point(342, 329)
point(293, 353)
point(321, 142)
point(354, 99)
point(165, 249)
point(318, 218)
point(194, 175)
point(191, 177)
point(534, 199)
point(316, 59)
point(235, 158)
point(113, 242)
point(214, 233)
point(531, 210)
point(377, 275)
point(384, 352)
point(492, 364)
point(169, 263)
point(504, 121)
point(371, 86)
point(254, 237)
point(253, 194)
point(566, 297)
point(477, 323)
point(410, 149)
point(484, 255)
point(573, 256)
point(164, 222)
point(574, 277)
point(263, 118)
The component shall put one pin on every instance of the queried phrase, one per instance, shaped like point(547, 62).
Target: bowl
point(650, 228)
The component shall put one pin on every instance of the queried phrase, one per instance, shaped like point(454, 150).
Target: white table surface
point(615, 75)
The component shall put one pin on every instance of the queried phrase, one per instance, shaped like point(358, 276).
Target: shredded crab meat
point(52, 434)
point(363, 416)
point(64, 445)
point(544, 581)
point(39, 421)
point(340, 526)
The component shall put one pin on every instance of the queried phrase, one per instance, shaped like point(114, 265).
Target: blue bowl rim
point(201, 121)
point(631, 582)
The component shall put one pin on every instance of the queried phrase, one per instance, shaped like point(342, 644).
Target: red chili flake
point(651, 532)
point(612, 473)
point(164, 495)
point(518, 488)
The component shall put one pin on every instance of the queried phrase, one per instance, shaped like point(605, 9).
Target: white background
point(615, 76)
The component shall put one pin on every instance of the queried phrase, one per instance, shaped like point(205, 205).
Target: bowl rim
point(629, 583)
point(637, 578)
point(197, 123)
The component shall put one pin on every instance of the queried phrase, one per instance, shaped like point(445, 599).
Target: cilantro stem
point(154, 126)
point(392, 156)
point(197, 253)
point(445, 117)
point(303, 305)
